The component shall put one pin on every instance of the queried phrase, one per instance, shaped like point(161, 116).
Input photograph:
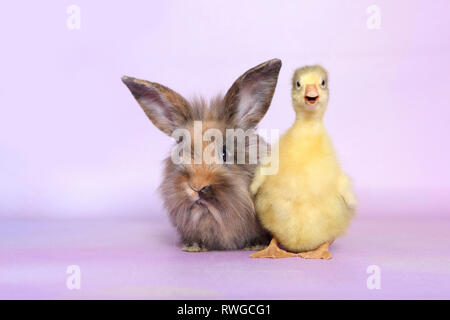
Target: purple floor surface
point(143, 260)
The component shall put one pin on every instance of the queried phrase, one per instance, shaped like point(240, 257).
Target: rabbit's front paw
point(193, 247)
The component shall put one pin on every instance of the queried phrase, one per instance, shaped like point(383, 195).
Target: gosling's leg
point(273, 251)
point(322, 252)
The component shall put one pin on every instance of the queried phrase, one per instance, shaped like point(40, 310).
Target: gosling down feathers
point(309, 202)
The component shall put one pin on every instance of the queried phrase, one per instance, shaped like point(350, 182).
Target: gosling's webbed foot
point(322, 252)
point(273, 252)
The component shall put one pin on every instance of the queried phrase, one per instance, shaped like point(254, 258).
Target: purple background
point(75, 145)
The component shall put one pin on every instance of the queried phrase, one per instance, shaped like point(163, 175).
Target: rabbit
point(210, 204)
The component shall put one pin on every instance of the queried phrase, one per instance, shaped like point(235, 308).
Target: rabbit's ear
point(164, 107)
point(248, 99)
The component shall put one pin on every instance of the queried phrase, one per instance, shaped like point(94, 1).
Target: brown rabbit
point(210, 204)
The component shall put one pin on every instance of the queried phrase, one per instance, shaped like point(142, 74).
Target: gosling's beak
point(311, 94)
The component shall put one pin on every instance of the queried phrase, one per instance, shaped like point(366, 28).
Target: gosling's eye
point(323, 83)
point(298, 84)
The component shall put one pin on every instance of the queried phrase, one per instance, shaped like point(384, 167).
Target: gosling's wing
point(258, 180)
point(346, 193)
